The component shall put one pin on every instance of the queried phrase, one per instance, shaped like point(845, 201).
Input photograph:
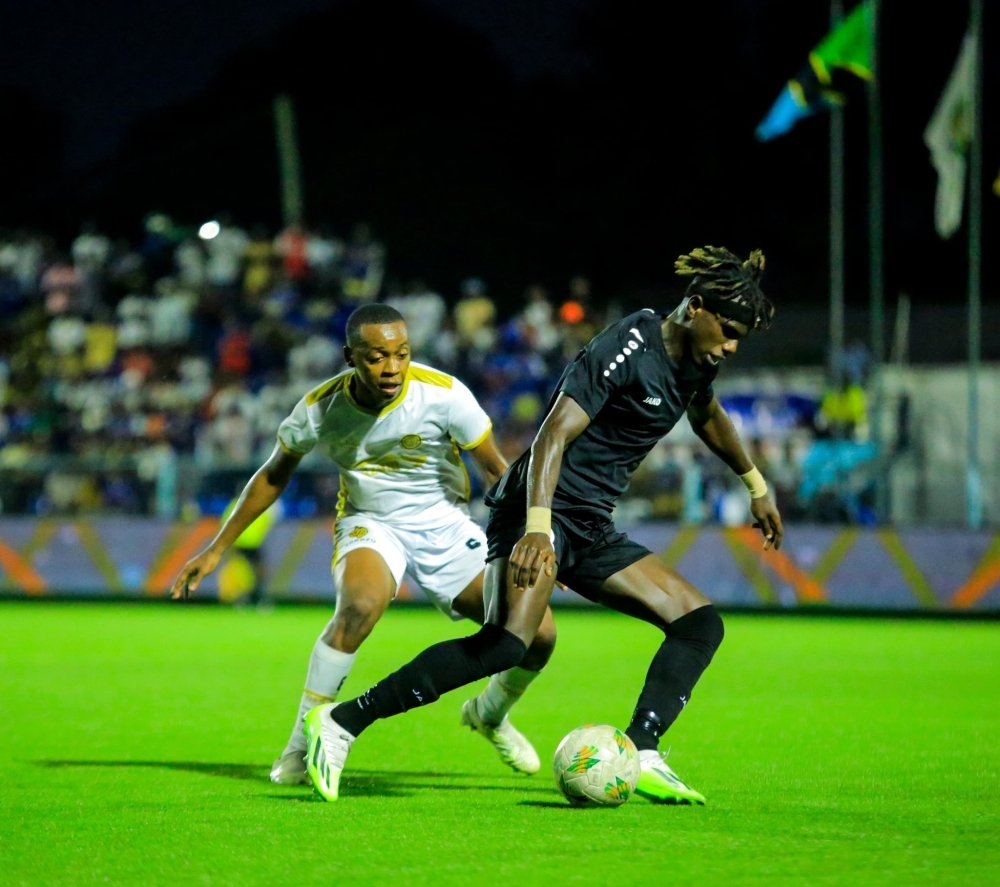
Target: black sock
point(443, 667)
point(685, 653)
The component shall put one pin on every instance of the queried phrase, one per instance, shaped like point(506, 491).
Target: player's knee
point(353, 622)
point(496, 649)
point(702, 627)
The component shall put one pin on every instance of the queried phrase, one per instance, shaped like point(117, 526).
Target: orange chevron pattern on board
point(827, 566)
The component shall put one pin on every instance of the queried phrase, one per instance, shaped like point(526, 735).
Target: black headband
point(727, 308)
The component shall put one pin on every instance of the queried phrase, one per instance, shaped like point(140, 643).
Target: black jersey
point(634, 393)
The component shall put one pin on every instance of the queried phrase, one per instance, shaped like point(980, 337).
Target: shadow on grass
point(245, 772)
point(555, 805)
point(358, 783)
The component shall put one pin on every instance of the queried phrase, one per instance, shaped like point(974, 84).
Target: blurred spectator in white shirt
point(21, 258)
point(90, 250)
point(67, 335)
point(423, 310)
point(189, 259)
point(170, 313)
point(319, 357)
point(225, 255)
point(228, 437)
point(538, 320)
point(324, 253)
point(90, 253)
point(133, 322)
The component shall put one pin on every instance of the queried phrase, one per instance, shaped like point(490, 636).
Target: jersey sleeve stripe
point(326, 389)
point(479, 440)
point(420, 373)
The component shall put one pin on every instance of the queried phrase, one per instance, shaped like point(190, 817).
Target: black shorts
point(588, 547)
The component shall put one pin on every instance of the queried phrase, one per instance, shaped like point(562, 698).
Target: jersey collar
point(388, 408)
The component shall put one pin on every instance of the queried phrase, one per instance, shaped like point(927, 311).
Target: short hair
point(718, 275)
point(369, 314)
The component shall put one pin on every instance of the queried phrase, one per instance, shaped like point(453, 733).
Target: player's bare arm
point(712, 424)
point(566, 421)
point(489, 460)
point(258, 495)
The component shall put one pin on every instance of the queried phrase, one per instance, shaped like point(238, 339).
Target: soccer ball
point(596, 766)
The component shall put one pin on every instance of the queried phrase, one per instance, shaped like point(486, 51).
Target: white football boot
point(513, 747)
point(290, 769)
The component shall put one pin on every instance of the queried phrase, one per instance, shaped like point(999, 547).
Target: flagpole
point(876, 296)
point(974, 495)
point(836, 218)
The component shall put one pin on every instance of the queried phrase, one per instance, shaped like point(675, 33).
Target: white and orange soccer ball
point(596, 766)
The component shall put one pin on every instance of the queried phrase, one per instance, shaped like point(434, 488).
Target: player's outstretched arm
point(712, 424)
point(566, 421)
point(489, 460)
point(258, 495)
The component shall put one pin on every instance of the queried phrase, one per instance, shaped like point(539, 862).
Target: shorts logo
point(473, 543)
point(653, 401)
point(411, 441)
point(359, 532)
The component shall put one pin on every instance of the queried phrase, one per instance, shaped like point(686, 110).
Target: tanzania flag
point(848, 47)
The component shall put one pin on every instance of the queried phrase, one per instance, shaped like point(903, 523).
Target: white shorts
point(442, 559)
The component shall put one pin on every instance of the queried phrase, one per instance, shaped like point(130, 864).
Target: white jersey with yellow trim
point(400, 464)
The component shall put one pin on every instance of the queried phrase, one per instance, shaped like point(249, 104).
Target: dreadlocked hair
point(715, 270)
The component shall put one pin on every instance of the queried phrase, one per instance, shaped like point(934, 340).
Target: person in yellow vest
point(244, 575)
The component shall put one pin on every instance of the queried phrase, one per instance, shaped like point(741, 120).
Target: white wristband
point(754, 481)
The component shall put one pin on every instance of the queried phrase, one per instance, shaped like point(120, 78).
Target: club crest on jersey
point(359, 532)
point(411, 441)
point(652, 401)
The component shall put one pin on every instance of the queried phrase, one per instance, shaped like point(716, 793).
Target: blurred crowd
point(120, 356)
point(120, 361)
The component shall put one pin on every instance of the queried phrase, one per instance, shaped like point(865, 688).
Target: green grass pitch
point(135, 743)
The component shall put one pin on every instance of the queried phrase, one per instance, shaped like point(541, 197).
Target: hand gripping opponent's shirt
point(634, 394)
point(402, 463)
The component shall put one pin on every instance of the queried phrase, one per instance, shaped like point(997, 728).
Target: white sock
point(503, 690)
point(328, 669)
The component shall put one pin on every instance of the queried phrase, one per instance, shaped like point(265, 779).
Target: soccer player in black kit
point(551, 515)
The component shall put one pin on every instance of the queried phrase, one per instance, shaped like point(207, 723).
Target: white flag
point(948, 136)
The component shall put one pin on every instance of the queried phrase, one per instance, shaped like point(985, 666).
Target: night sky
point(107, 63)
point(520, 140)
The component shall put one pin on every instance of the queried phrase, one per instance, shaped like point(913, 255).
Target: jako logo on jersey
point(359, 532)
point(411, 441)
point(652, 401)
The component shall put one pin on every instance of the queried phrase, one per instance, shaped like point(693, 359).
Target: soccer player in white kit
point(394, 429)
